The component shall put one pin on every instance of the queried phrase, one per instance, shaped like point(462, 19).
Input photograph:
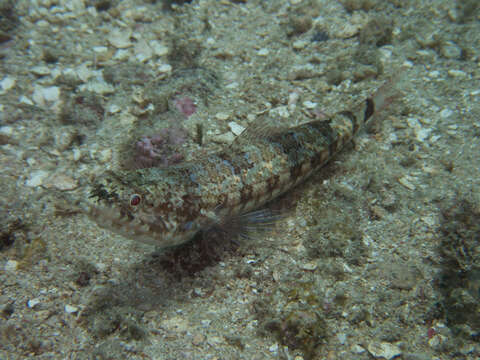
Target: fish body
point(168, 206)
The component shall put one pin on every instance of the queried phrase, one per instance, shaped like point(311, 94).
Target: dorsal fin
point(261, 129)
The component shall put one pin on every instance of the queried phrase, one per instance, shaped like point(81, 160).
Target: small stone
point(45, 95)
point(436, 341)
point(165, 69)
point(70, 309)
point(11, 265)
point(98, 87)
point(41, 70)
point(143, 51)
point(263, 52)
point(310, 266)
point(120, 38)
point(235, 128)
point(309, 104)
point(446, 113)
point(25, 100)
point(6, 131)
point(281, 111)
point(342, 338)
point(413, 123)
point(6, 84)
point(348, 30)
point(206, 323)
point(302, 72)
point(226, 138)
point(457, 73)
point(113, 109)
point(83, 72)
point(100, 49)
point(32, 303)
point(222, 116)
point(273, 348)
point(422, 134)
point(158, 48)
point(450, 50)
point(76, 154)
point(406, 181)
point(300, 44)
point(377, 212)
point(357, 349)
point(198, 339)
point(384, 350)
point(467, 349)
point(61, 182)
point(105, 155)
point(36, 178)
point(121, 54)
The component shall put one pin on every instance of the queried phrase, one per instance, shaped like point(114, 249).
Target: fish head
point(136, 207)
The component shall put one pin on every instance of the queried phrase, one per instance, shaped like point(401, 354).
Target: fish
point(168, 206)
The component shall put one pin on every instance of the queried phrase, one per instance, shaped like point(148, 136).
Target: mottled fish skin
point(168, 206)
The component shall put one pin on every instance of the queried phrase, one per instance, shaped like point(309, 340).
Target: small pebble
point(224, 138)
point(158, 48)
point(165, 69)
point(6, 131)
point(61, 182)
point(384, 350)
point(32, 303)
point(436, 341)
point(36, 178)
point(457, 73)
point(445, 113)
point(6, 84)
point(310, 266)
point(11, 265)
point(105, 155)
point(342, 338)
point(44, 95)
point(450, 50)
point(222, 116)
point(357, 349)
point(25, 100)
point(273, 348)
point(198, 339)
point(281, 111)
point(263, 52)
point(113, 109)
point(309, 104)
point(235, 128)
point(120, 38)
point(406, 181)
point(98, 87)
point(206, 323)
point(300, 44)
point(70, 309)
point(76, 154)
point(41, 70)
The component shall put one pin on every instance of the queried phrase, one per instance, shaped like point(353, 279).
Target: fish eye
point(135, 200)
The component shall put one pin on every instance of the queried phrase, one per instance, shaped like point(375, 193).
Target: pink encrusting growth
point(161, 149)
point(185, 105)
